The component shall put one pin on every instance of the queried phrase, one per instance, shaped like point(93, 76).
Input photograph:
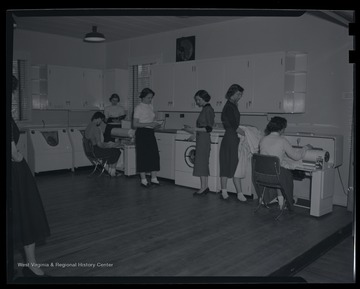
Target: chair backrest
point(88, 148)
point(266, 170)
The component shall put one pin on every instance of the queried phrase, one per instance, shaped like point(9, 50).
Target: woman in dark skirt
point(204, 125)
point(30, 224)
point(147, 152)
point(230, 117)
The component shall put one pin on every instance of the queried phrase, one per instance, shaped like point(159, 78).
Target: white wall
point(330, 76)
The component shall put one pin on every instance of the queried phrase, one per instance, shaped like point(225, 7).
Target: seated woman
point(108, 150)
point(274, 144)
point(114, 113)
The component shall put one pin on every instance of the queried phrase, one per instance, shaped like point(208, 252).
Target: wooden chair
point(99, 163)
point(266, 172)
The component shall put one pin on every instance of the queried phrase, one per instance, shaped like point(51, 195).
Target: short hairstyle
point(275, 124)
point(98, 115)
point(234, 88)
point(15, 83)
point(145, 92)
point(114, 95)
point(203, 94)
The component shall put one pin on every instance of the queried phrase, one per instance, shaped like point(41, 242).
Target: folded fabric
point(253, 136)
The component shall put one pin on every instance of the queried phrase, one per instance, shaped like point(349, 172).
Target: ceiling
point(118, 26)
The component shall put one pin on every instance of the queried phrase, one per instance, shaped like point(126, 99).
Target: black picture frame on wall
point(185, 48)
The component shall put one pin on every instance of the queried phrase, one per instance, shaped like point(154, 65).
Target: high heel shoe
point(204, 192)
point(27, 272)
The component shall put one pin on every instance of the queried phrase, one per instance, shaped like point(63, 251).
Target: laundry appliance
point(49, 149)
point(76, 135)
point(316, 186)
point(185, 151)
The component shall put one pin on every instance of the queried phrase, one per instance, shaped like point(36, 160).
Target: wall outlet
point(182, 115)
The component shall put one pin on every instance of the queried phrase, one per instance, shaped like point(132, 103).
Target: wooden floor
point(324, 270)
point(104, 226)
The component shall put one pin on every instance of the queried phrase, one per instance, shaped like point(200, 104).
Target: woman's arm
point(293, 153)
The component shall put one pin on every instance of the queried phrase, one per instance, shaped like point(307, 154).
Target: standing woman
point(230, 117)
point(114, 113)
point(147, 152)
point(30, 224)
point(204, 125)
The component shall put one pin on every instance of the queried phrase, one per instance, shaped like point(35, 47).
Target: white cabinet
point(166, 145)
point(238, 70)
point(273, 82)
point(115, 81)
point(185, 86)
point(162, 82)
point(92, 96)
point(210, 77)
point(65, 87)
point(268, 76)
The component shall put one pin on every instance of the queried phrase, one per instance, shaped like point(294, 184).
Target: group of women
point(230, 117)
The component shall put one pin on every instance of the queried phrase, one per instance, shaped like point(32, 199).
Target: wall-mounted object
point(185, 48)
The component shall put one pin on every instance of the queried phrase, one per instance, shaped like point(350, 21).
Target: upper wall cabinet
point(162, 82)
point(268, 82)
point(273, 82)
point(115, 81)
point(210, 77)
point(238, 70)
point(64, 87)
point(185, 86)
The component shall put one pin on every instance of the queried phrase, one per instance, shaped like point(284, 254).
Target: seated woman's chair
point(265, 173)
point(99, 163)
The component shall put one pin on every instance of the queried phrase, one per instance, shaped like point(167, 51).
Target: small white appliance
point(185, 151)
point(49, 149)
point(319, 166)
point(76, 135)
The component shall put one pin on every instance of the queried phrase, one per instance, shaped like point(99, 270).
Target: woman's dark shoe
point(28, 273)
point(155, 184)
point(203, 193)
point(222, 197)
point(145, 186)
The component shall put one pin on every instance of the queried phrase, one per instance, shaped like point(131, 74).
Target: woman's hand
point(17, 157)
point(240, 131)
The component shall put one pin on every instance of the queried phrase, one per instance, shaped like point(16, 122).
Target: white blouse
point(114, 111)
point(144, 112)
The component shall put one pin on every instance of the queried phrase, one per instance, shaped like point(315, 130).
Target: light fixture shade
point(94, 36)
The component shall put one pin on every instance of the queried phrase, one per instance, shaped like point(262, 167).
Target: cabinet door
point(115, 81)
point(210, 77)
point(166, 146)
point(238, 70)
point(269, 74)
point(185, 86)
point(162, 80)
point(65, 89)
point(93, 89)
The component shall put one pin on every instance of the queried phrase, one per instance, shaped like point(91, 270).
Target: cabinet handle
point(249, 103)
point(279, 104)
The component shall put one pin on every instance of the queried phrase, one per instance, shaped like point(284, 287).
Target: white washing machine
point(49, 149)
point(76, 135)
point(185, 157)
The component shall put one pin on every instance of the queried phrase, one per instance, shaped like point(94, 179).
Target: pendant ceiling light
point(94, 36)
